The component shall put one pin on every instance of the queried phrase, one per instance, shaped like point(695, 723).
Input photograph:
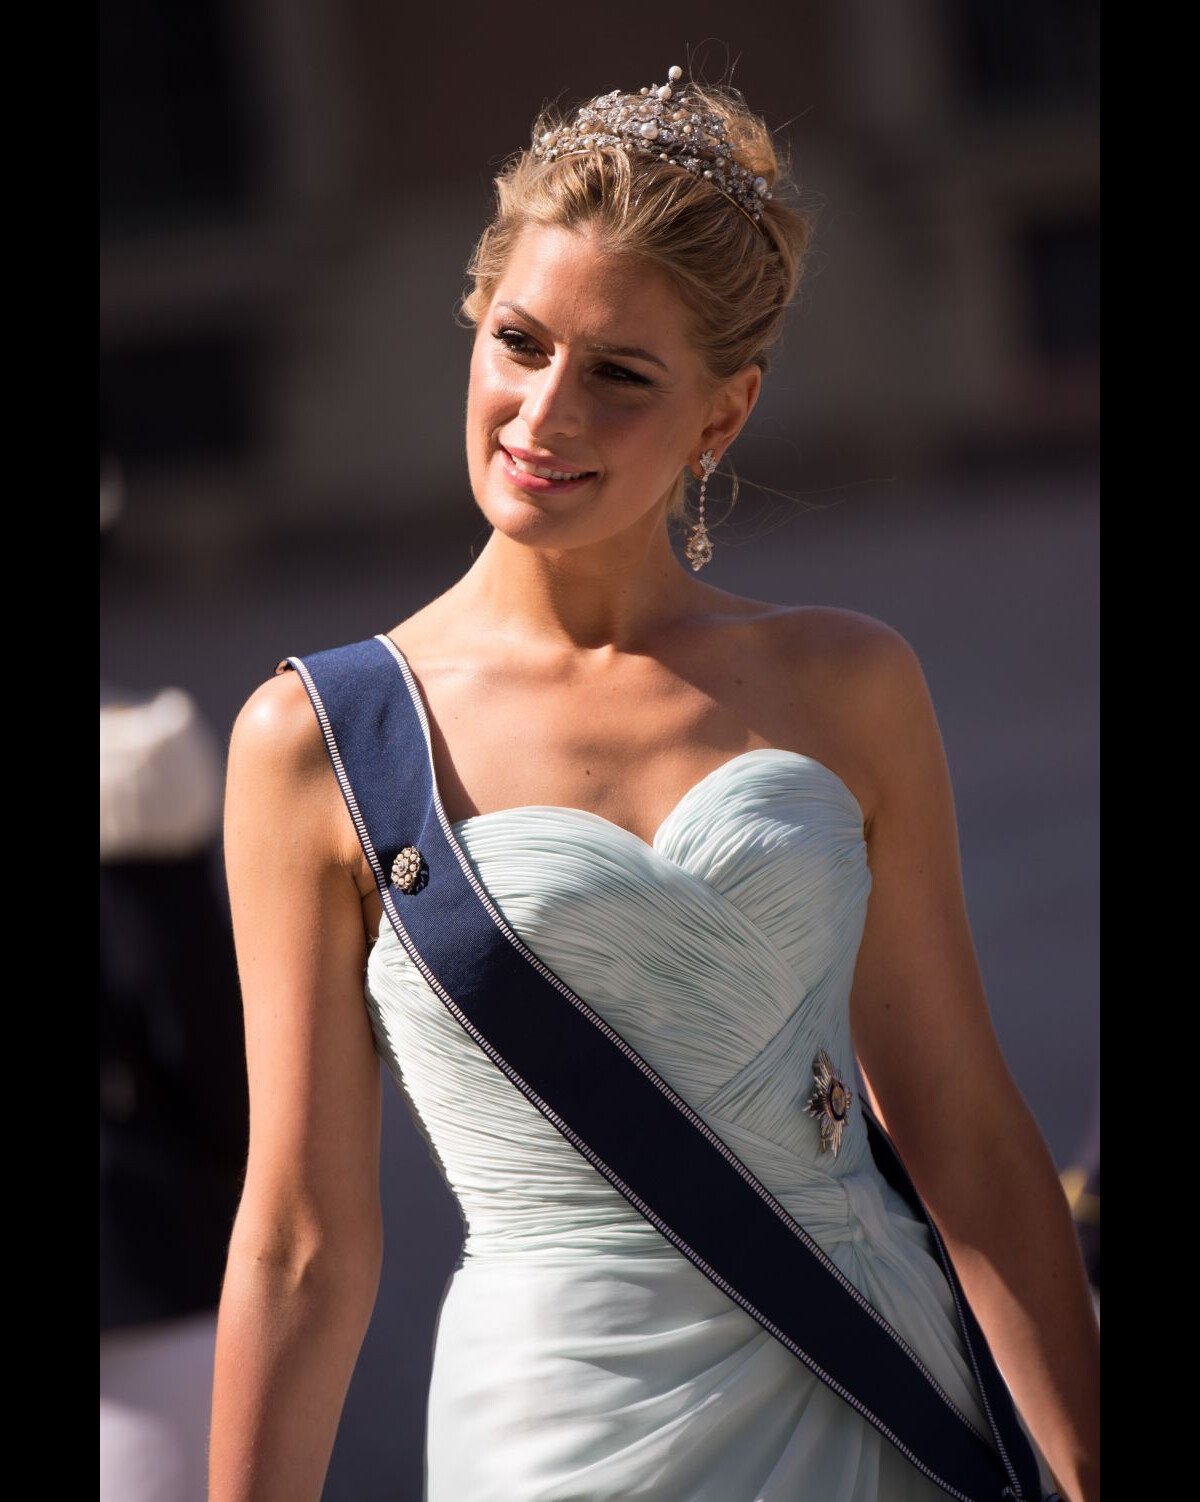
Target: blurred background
point(290, 194)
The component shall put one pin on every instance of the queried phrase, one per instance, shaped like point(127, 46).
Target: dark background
point(289, 197)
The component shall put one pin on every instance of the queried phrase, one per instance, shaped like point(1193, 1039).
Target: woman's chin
point(527, 522)
point(508, 506)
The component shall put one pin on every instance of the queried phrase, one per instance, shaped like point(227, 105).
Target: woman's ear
point(731, 406)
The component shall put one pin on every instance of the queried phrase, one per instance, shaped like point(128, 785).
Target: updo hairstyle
point(736, 278)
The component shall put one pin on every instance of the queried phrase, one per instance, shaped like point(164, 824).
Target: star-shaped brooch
point(829, 1102)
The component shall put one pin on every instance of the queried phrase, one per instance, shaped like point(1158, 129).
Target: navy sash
point(619, 1114)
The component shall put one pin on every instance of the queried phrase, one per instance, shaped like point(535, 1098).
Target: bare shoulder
point(871, 664)
point(868, 682)
point(278, 756)
point(843, 640)
point(276, 733)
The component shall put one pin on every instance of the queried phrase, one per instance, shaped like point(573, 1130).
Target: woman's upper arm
point(919, 1015)
point(312, 1177)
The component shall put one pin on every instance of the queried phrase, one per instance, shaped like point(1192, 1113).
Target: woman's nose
point(552, 402)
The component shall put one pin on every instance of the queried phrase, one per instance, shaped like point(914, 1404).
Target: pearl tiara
point(666, 127)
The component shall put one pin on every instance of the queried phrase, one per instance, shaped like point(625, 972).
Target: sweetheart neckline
point(651, 845)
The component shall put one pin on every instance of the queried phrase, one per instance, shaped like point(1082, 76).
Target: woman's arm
point(925, 1043)
point(305, 1253)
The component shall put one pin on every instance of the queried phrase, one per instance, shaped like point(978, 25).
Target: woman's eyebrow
point(633, 350)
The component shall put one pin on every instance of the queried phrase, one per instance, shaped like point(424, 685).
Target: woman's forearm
point(1008, 1229)
point(287, 1344)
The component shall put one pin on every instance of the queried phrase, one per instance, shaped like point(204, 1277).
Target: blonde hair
point(736, 278)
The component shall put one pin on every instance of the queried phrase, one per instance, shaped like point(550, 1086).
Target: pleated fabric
point(579, 1356)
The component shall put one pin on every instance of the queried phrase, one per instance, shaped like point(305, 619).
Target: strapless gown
point(579, 1356)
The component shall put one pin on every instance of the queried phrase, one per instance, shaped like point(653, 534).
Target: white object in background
point(155, 1408)
point(161, 779)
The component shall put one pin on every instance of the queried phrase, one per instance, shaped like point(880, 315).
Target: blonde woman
point(724, 829)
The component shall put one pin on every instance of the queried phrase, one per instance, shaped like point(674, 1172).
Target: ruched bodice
point(580, 1356)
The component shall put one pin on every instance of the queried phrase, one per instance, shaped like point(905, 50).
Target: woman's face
point(631, 413)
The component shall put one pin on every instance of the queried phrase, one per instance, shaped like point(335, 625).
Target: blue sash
point(619, 1114)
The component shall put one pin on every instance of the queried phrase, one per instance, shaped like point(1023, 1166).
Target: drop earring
point(699, 548)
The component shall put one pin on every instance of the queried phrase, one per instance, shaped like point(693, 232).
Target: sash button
point(408, 869)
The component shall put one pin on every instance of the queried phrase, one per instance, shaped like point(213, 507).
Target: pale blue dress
point(579, 1356)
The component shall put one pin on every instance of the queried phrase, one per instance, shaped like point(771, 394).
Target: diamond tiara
point(662, 126)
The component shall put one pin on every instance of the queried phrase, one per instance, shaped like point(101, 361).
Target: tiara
point(662, 126)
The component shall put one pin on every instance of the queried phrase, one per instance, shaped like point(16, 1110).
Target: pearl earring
point(699, 547)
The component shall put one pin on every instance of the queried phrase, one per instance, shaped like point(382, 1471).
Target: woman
point(680, 800)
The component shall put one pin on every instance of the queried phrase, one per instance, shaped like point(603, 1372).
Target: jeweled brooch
point(408, 870)
point(829, 1102)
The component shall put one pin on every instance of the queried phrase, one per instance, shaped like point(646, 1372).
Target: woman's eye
point(519, 343)
point(625, 377)
point(513, 339)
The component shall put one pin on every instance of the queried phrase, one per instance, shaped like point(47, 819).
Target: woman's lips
point(535, 483)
